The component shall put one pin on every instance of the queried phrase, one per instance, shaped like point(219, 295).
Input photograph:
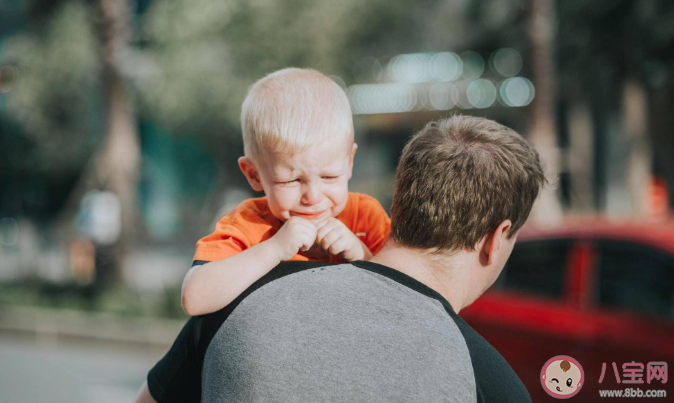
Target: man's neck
point(443, 275)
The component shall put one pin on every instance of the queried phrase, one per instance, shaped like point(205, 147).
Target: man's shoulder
point(337, 322)
point(495, 378)
point(356, 316)
point(356, 278)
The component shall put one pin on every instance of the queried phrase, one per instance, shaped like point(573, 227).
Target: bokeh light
point(438, 81)
point(411, 68)
point(443, 96)
point(481, 93)
point(422, 97)
point(517, 91)
point(382, 98)
point(506, 62)
point(446, 66)
point(462, 91)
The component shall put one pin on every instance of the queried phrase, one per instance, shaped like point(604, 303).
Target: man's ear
point(251, 173)
point(351, 158)
point(491, 243)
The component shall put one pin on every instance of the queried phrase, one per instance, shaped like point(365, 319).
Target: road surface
point(72, 371)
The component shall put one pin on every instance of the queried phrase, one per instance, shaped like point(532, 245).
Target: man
point(385, 330)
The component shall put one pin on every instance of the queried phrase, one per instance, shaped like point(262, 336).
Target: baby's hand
point(296, 234)
point(335, 238)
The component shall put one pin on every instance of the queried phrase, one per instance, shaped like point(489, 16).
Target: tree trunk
point(581, 157)
point(639, 164)
point(118, 164)
point(115, 166)
point(543, 132)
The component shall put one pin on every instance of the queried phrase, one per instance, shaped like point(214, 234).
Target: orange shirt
point(251, 222)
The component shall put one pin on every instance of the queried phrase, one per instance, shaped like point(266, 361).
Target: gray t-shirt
point(317, 332)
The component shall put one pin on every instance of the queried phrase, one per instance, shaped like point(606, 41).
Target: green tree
point(89, 69)
point(70, 77)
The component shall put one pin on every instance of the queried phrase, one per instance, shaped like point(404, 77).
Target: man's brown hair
point(458, 179)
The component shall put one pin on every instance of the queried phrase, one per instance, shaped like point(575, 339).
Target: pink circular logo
point(562, 377)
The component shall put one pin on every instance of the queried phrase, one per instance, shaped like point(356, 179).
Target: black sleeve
point(495, 380)
point(177, 376)
point(199, 262)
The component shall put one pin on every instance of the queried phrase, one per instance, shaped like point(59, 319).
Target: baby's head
point(298, 143)
point(562, 377)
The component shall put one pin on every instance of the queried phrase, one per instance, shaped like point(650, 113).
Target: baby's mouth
point(309, 215)
point(558, 389)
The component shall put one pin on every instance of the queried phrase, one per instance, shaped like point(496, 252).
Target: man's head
point(298, 143)
point(465, 184)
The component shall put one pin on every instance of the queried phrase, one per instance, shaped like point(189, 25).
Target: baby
point(562, 377)
point(299, 149)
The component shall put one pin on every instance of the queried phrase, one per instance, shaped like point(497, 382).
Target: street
point(72, 371)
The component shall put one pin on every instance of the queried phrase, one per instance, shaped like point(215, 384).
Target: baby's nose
point(312, 195)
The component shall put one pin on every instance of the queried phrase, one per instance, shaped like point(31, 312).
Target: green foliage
point(118, 301)
point(54, 101)
point(621, 39)
point(201, 56)
point(193, 61)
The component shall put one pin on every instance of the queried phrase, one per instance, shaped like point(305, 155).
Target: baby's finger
point(306, 245)
point(311, 234)
point(329, 239)
point(309, 230)
point(323, 231)
point(301, 225)
point(308, 239)
point(326, 226)
point(320, 224)
point(337, 247)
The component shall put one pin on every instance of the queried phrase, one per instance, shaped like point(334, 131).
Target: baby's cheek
point(285, 199)
point(339, 197)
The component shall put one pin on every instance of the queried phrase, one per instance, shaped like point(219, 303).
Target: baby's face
point(312, 183)
point(559, 381)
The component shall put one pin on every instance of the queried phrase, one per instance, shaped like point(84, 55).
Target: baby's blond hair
point(290, 109)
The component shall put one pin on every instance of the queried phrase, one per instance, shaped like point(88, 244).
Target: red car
point(598, 291)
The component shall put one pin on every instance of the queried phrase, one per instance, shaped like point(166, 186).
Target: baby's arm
point(335, 238)
point(213, 286)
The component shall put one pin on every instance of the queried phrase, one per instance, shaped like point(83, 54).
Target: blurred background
point(119, 137)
